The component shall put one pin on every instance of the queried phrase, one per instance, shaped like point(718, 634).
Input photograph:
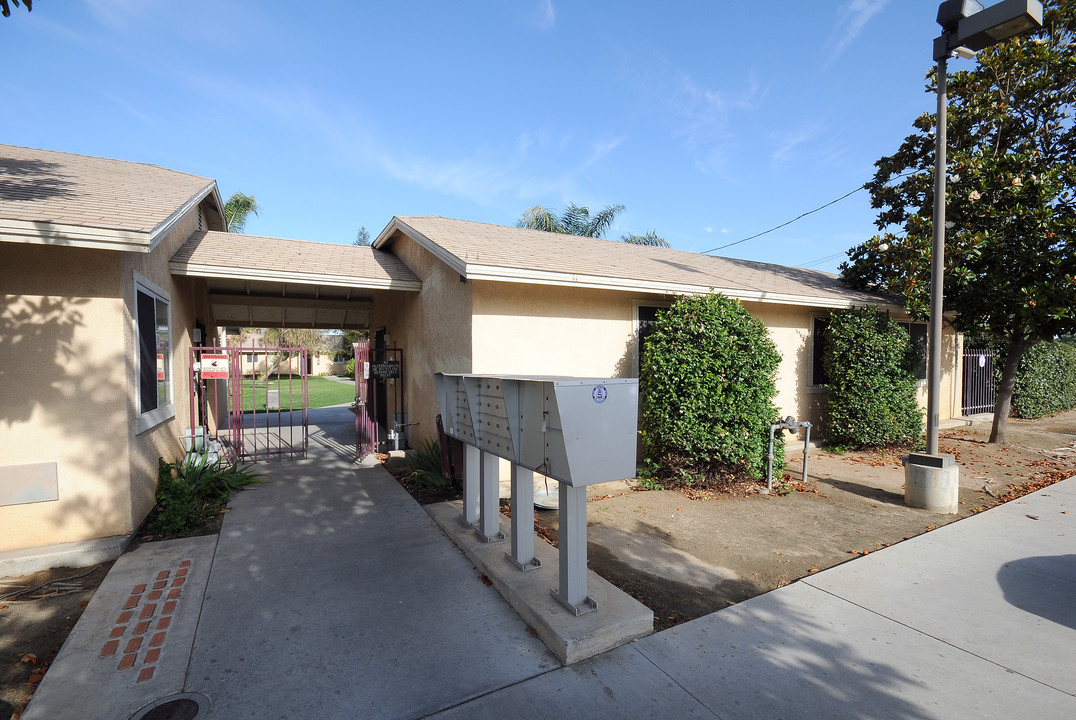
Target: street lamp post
point(932, 478)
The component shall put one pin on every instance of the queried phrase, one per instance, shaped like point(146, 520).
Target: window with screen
point(154, 340)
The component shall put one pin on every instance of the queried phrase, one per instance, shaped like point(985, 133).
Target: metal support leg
point(472, 480)
point(573, 550)
point(522, 555)
point(489, 528)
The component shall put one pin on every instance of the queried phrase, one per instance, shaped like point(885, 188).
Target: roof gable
point(55, 198)
point(482, 251)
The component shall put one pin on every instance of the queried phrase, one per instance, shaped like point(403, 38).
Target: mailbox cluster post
point(577, 431)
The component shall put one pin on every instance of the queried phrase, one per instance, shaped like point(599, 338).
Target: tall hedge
point(707, 380)
point(1046, 380)
point(871, 362)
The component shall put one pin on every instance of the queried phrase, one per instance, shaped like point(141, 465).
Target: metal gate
point(251, 402)
point(380, 421)
point(979, 393)
point(365, 423)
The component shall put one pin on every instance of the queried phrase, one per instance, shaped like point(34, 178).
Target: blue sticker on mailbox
point(600, 394)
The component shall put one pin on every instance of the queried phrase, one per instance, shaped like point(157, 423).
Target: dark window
point(918, 333)
point(819, 329)
point(647, 320)
point(154, 351)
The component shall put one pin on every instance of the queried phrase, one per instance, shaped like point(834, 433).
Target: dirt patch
point(688, 554)
point(38, 611)
point(36, 614)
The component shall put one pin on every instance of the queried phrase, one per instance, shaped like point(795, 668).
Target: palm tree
point(651, 238)
point(6, 11)
point(236, 210)
point(576, 220)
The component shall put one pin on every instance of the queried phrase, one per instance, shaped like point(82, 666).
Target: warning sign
point(160, 366)
point(214, 367)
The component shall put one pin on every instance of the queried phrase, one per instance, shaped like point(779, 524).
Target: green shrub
point(191, 492)
point(426, 462)
point(350, 367)
point(707, 380)
point(871, 362)
point(1046, 381)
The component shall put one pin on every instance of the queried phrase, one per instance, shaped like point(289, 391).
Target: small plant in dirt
point(426, 462)
point(193, 491)
point(871, 362)
point(708, 381)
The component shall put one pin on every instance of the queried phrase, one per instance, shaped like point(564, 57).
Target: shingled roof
point(250, 257)
point(481, 251)
point(57, 198)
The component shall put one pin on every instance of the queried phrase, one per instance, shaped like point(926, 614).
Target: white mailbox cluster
point(577, 431)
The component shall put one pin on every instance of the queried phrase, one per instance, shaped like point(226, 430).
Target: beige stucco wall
point(525, 329)
point(789, 327)
point(520, 328)
point(62, 391)
point(68, 388)
point(188, 304)
point(432, 326)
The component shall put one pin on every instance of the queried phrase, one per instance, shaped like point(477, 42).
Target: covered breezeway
point(266, 282)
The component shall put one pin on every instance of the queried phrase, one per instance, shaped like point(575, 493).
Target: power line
point(778, 227)
point(826, 259)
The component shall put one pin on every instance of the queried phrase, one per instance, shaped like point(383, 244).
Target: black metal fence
point(979, 392)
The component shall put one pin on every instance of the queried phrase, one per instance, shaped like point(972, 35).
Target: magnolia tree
point(1010, 253)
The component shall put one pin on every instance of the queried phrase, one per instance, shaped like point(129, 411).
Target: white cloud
point(544, 16)
point(787, 143)
point(603, 148)
point(851, 19)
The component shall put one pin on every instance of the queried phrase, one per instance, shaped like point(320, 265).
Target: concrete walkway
point(330, 593)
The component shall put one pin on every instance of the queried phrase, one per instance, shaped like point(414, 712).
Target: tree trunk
point(1003, 404)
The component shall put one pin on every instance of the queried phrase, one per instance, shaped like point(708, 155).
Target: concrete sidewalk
point(330, 593)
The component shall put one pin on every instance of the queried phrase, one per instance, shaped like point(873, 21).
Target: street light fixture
point(932, 479)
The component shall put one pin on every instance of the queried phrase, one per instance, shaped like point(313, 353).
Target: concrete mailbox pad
point(577, 431)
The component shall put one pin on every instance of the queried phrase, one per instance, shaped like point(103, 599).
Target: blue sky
point(709, 122)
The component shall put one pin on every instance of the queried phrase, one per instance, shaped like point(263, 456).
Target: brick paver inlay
point(141, 646)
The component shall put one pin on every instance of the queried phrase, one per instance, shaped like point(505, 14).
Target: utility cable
point(778, 227)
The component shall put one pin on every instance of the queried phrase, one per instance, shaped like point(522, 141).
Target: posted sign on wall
point(214, 367)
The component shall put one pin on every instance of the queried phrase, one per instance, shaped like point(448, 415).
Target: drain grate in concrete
point(183, 706)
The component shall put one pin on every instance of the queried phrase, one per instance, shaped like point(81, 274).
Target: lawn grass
point(322, 392)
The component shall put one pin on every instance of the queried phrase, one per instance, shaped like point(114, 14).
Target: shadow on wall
point(75, 403)
point(1042, 586)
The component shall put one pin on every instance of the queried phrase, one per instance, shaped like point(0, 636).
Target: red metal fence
point(252, 401)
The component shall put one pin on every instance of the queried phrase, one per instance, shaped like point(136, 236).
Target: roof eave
point(47, 233)
point(233, 273)
point(161, 231)
point(537, 277)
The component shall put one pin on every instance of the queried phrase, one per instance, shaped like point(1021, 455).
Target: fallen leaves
point(39, 667)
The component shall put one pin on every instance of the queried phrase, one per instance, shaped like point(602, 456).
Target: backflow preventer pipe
point(790, 424)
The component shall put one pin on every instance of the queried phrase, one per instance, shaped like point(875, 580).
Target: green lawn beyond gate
point(322, 392)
